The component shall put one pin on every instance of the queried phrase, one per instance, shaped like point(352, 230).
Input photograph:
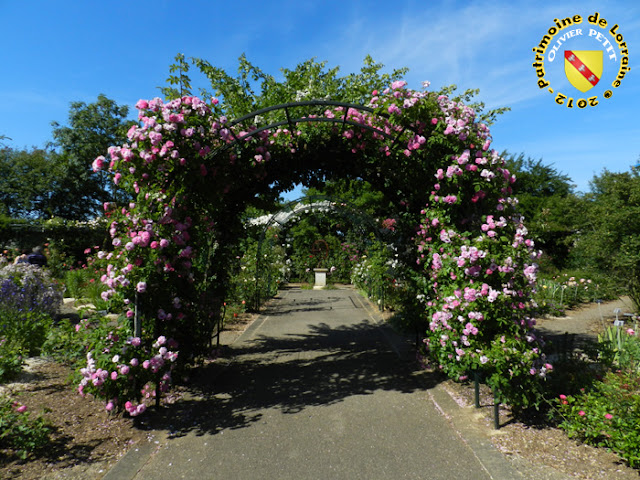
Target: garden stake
point(476, 384)
point(496, 411)
point(158, 392)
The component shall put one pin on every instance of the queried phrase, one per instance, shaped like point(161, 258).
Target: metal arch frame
point(291, 122)
point(309, 201)
point(338, 204)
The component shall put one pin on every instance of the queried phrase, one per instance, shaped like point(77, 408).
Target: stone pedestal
point(321, 278)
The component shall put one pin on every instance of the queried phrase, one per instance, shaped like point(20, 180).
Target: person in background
point(37, 257)
point(22, 258)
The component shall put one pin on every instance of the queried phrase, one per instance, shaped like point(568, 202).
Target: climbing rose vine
point(190, 174)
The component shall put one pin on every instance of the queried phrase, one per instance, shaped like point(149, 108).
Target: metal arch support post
point(394, 143)
point(289, 121)
point(344, 118)
point(137, 321)
point(257, 295)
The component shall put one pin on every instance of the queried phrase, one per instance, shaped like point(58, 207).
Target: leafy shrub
point(607, 415)
point(74, 281)
point(620, 348)
point(64, 344)
point(10, 360)
point(20, 432)
point(255, 277)
point(84, 284)
point(377, 274)
point(28, 300)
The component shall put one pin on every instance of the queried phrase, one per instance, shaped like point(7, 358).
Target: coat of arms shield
point(583, 68)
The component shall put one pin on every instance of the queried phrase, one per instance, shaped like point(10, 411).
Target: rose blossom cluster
point(479, 286)
point(115, 378)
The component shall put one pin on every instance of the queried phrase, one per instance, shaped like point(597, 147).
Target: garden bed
point(539, 449)
point(86, 440)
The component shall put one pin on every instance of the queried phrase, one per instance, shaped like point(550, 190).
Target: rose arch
point(192, 173)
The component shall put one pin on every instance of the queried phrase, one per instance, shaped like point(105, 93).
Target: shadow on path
point(290, 372)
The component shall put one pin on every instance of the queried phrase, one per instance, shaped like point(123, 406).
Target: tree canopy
point(609, 229)
point(57, 181)
point(549, 204)
point(92, 128)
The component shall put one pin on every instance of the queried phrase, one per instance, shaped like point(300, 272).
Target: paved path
point(317, 389)
point(583, 323)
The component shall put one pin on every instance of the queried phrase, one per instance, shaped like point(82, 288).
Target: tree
point(26, 182)
point(550, 207)
point(79, 192)
point(609, 240)
point(357, 192)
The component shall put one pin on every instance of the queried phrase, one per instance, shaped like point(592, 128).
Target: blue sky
point(54, 53)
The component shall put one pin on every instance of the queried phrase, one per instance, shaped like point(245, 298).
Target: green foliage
point(27, 332)
point(254, 277)
point(555, 294)
point(606, 415)
point(84, 285)
point(549, 205)
point(604, 410)
point(11, 360)
point(78, 192)
point(181, 67)
point(308, 80)
point(21, 433)
point(27, 180)
point(620, 348)
point(358, 195)
point(609, 240)
point(64, 344)
point(377, 274)
point(45, 183)
point(28, 300)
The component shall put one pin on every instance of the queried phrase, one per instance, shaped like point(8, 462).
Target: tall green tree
point(26, 182)
point(547, 200)
point(609, 240)
point(92, 128)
